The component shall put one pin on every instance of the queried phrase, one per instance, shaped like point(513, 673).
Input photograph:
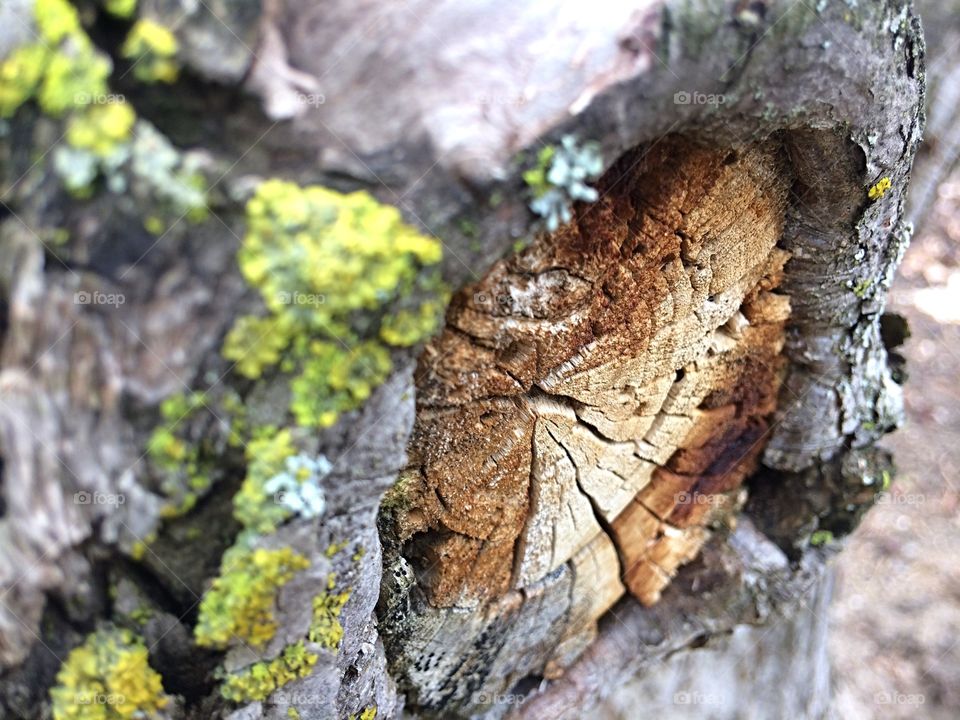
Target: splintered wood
point(598, 398)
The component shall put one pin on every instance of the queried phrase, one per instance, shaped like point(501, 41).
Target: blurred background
point(895, 619)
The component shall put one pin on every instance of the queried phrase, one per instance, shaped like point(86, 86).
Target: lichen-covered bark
point(436, 108)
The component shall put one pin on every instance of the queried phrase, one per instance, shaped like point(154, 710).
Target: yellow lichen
point(74, 77)
point(102, 128)
point(876, 192)
point(152, 48)
point(108, 677)
point(260, 679)
point(369, 713)
point(328, 267)
point(334, 548)
point(326, 629)
point(240, 604)
point(266, 454)
point(120, 8)
point(20, 74)
point(56, 19)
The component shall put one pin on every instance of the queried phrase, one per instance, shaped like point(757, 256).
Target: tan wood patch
point(598, 398)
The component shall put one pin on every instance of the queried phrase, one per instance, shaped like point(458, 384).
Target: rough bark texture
point(438, 108)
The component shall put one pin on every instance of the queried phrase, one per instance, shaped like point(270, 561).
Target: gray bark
point(428, 105)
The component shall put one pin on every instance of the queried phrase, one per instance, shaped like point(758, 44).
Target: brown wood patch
point(612, 382)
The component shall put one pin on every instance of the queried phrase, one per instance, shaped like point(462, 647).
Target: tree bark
point(631, 472)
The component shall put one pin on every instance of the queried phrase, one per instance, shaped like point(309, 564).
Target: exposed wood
point(646, 334)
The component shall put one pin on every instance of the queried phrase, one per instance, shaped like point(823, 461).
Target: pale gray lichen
point(298, 488)
point(560, 178)
point(77, 169)
point(171, 175)
point(147, 165)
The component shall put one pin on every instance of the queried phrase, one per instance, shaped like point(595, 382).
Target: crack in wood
point(603, 393)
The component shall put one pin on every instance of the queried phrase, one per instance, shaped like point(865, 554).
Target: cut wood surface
point(631, 358)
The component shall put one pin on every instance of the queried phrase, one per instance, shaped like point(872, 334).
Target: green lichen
point(120, 8)
point(259, 680)
point(335, 379)
point(186, 463)
point(101, 129)
point(468, 227)
point(329, 266)
point(153, 49)
point(536, 176)
point(138, 550)
point(140, 547)
point(408, 327)
point(886, 479)
point(860, 289)
point(334, 548)
point(240, 603)
point(821, 537)
point(266, 454)
point(325, 628)
point(141, 615)
point(108, 677)
point(182, 462)
point(397, 498)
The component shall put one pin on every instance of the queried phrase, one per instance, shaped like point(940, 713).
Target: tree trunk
point(617, 464)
